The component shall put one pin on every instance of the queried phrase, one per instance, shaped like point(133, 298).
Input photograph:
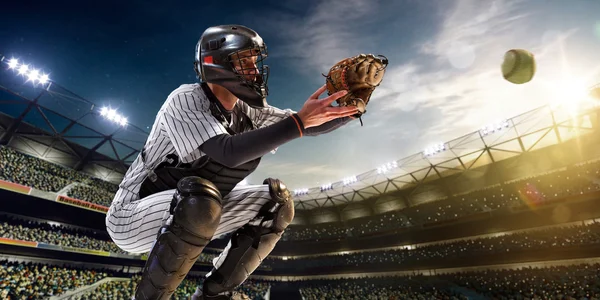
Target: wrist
point(301, 116)
point(299, 123)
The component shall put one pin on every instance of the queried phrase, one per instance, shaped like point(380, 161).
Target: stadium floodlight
point(434, 149)
point(34, 75)
point(23, 69)
point(44, 79)
point(494, 127)
point(350, 180)
point(112, 115)
point(387, 167)
point(300, 192)
point(326, 187)
point(13, 63)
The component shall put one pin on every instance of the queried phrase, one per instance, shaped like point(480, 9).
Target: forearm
point(327, 127)
point(234, 150)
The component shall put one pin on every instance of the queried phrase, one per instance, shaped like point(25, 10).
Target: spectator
point(535, 239)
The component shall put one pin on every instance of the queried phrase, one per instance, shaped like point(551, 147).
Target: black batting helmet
point(216, 50)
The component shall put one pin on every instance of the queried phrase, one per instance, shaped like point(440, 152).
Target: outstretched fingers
point(343, 111)
point(318, 93)
point(327, 101)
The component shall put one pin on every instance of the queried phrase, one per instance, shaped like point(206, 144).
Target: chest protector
point(166, 175)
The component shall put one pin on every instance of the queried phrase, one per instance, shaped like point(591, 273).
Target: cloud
point(450, 85)
point(457, 72)
point(469, 26)
point(328, 32)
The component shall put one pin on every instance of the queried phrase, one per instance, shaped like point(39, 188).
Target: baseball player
point(182, 190)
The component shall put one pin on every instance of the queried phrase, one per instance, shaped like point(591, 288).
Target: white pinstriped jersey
point(182, 124)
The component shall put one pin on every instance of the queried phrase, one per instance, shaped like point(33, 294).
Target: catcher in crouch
point(182, 190)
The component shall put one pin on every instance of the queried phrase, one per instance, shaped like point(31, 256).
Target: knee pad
point(281, 208)
point(196, 209)
point(250, 244)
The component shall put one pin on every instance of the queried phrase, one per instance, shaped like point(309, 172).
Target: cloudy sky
point(443, 80)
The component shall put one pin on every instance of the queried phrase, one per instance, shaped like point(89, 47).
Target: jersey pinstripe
point(182, 124)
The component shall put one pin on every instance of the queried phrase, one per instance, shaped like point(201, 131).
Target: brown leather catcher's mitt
point(359, 75)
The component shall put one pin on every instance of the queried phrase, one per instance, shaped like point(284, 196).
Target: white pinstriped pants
point(134, 226)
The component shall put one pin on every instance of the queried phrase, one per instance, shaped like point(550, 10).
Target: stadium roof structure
point(50, 122)
point(529, 131)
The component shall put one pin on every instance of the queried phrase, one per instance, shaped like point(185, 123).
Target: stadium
point(508, 211)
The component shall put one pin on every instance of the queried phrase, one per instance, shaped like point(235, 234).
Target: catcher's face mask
point(232, 56)
point(249, 67)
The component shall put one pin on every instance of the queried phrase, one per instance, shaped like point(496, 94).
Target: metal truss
point(429, 173)
point(55, 124)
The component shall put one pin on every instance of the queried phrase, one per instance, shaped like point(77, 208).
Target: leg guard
point(251, 244)
point(196, 213)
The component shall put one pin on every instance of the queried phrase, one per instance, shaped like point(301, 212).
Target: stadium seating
point(41, 281)
point(19, 280)
point(578, 281)
point(532, 191)
point(15, 228)
point(37, 280)
point(26, 230)
point(580, 179)
point(534, 239)
point(40, 174)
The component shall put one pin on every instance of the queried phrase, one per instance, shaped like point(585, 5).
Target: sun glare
point(571, 93)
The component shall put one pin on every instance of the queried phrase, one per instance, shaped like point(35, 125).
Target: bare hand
point(318, 111)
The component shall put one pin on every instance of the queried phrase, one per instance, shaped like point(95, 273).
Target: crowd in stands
point(102, 185)
point(252, 288)
point(115, 290)
point(353, 228)
point(572, 282)
point(535, 239)
point(16, 228)
point(397, 287)
point(531, 191)
point(91, 194)
point(123, 290)
point(33, 172)
point(41, 232)
point(580, 281)
point(40, 281)
point(27, 280)
point(49, 177)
